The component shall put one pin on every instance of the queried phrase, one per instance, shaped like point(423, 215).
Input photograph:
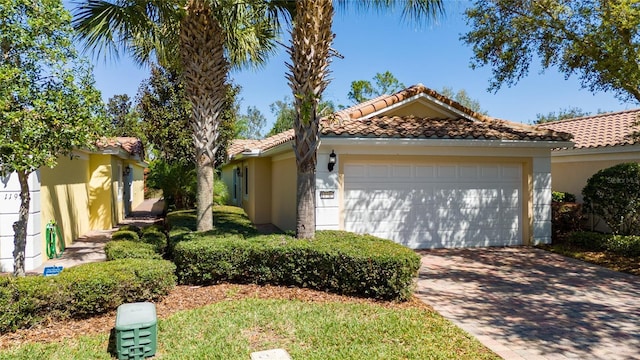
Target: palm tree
point(310, 53)
point(201, 38)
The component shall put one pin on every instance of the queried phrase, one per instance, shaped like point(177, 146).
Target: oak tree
point(597, 40)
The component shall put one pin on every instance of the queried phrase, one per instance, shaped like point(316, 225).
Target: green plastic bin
point(136, 331)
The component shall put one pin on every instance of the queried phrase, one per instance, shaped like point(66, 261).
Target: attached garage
point(414, 167)
point(435, 205)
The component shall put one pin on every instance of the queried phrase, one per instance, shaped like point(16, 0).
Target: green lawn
point(307, 330)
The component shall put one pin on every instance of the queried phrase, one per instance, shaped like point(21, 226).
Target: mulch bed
point(185, 298)
point(616, 262)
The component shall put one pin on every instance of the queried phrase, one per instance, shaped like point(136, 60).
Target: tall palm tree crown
point(310, 52)
point(199, 38)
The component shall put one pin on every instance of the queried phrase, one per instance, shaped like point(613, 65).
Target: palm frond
point(137, 26)
point(418, 11)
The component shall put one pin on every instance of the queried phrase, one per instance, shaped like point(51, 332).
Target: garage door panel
point(435, 205)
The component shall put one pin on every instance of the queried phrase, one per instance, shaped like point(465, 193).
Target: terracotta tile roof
point(611, 129)
point(459, 128)
point(241, 145)
point(131, 145)
point(385, 101)
point(353, 121)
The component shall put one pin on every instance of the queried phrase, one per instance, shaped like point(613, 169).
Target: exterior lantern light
point(126, 171)
point(238, 172)
point(332, 160)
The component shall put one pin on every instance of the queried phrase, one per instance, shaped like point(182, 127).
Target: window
point(235, 184)
point(246, 180)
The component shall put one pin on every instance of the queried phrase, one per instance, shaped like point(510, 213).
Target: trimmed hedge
point(153, 235)
point(336, 261)
point(125, 235)
point(126, 249)
point(620, 244)
point(129, 227)
point(82, 291)
point(228, 220)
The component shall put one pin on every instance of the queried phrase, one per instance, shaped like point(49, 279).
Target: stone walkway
point(90, 247)
point(526, 303)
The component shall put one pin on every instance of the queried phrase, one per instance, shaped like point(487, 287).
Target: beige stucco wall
point(416, 109)
point(253, 191)
point(283, 193)
point(65, 197)
point(260, 190)
point(570, 174)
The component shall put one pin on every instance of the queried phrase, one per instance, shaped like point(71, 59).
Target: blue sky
point(374, 42)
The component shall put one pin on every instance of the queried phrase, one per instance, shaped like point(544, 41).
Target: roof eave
point(351, 140)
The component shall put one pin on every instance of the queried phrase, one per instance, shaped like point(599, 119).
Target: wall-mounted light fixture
point(332, 160)
point(238, 172)
point(126, 171)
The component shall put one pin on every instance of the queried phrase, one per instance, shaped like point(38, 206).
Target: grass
point(332, 330)
point(616, 262)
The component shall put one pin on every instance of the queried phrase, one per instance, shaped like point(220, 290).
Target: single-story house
point(86, 190)
point(599, 142)
point(414, 167)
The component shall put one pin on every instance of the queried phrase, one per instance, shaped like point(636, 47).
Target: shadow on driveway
point(528, 303)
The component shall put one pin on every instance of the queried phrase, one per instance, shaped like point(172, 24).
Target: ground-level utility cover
point(273, 354)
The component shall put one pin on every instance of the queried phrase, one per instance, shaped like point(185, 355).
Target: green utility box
point(136, 331)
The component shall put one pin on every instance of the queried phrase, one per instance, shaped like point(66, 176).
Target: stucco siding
point(260, 190)
point(9, 209)
point(283, 194)
point(100, 198)
point(572, 176)
point(541, 200)
point(117, 190)
point(65, 197)
point(138, 184)
point(328, 193)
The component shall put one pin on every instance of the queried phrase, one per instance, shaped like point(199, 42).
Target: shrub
point(588, 240)
point(614, 195)
point(133, 228)
point(155, 236)
point(558, 196)
point(177, 181)
point(220, 192)
point(229, 220)
point(82, 291)
point(125, 235)
point(126, 249)
point(624, 245)
point(565, 218)
point(336, 261)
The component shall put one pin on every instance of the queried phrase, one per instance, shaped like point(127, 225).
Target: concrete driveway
point(526, 303)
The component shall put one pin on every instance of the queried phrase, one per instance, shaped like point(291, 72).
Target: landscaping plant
point(614, 195)
point(82, 291)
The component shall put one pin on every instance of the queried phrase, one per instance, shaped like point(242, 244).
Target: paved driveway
point(525, 303)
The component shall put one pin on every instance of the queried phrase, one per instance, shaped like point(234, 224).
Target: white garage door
point(435, 205)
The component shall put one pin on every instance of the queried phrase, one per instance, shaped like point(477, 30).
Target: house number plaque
point(327, 194)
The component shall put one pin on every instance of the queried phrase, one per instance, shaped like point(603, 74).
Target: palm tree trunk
point(20, 226)
point(205, 71)
point(311, 39)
